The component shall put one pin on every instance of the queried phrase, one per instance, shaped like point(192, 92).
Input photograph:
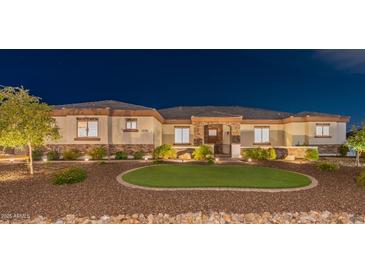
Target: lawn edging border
point(314, 183)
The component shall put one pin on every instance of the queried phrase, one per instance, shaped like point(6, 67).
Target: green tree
point(357, 143)
point(25, 121)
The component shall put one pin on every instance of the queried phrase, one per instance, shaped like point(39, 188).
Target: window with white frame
point(182, 135)
point(87, 127)
point(131, 124)
point(323, 130)
point(212, 132)
point(262, 135)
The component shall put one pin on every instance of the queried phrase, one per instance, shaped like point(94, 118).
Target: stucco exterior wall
point(152, 132)
point(305, 133)
point(148, 131)
point(277, 134)
point(68, 130)
point(168, 133)
point(337, 133)
point(110, 131)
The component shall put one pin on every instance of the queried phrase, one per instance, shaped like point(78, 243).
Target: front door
point(213, 135)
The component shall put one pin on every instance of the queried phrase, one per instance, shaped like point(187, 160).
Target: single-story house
point(126, 127)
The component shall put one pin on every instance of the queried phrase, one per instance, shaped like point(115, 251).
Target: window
point(212, 132)
point(87, 127)
point(182, 135)
point(262, 135)
point(131, 124)
point(322, 130)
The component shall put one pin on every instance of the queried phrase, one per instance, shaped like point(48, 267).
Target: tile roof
point(186, 112)
point(103, 104)
point(221, 111)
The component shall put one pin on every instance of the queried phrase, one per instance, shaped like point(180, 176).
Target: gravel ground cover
point(22, 196)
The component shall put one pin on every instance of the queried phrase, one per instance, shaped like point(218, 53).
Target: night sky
point(286, 80)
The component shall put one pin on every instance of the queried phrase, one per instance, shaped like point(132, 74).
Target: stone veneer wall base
point(111, 149)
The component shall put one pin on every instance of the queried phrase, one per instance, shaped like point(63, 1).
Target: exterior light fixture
point(145, 158)
point(11, 160)
point(86, 159)
point(44, 159)
point(249, 160)
point(217, 159)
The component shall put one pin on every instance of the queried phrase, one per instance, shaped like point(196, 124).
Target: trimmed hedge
point(70, 175)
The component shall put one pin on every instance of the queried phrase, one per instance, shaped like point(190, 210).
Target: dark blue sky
point(287, 80)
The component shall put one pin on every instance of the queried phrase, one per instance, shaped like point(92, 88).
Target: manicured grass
point(183, 176)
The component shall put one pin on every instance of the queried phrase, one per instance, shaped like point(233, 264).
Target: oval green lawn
point(191, 176)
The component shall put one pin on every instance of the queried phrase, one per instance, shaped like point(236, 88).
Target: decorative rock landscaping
point(312, 217)
point(100, 194)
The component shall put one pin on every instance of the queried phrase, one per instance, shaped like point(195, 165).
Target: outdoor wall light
point(249, 160)
point(11, 160)
point(44, 159)
point(86, 159)
point(145, 158)
point(217, 159)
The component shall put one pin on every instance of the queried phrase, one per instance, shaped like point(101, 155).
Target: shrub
point(53, 155)
point(210, 161)
point(271, 154)
point(311, 155)
point(138, 155)
point(69, 176)
point(97, 153)
point(164, 152)
point(260, 154)
point(327, 166)
point(71, 154)
point(344, 149)
point(360, 180)
point(203, 152)
point(121, 155)
point(37, 154)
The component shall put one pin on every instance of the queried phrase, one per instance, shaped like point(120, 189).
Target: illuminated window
point(323, 130)
point(87, 127)
point(132, 124)
point(212, 132)
point(262, 135)
point(182, 135)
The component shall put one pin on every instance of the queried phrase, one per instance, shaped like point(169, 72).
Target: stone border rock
point(311, 217)
point(314, 183)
